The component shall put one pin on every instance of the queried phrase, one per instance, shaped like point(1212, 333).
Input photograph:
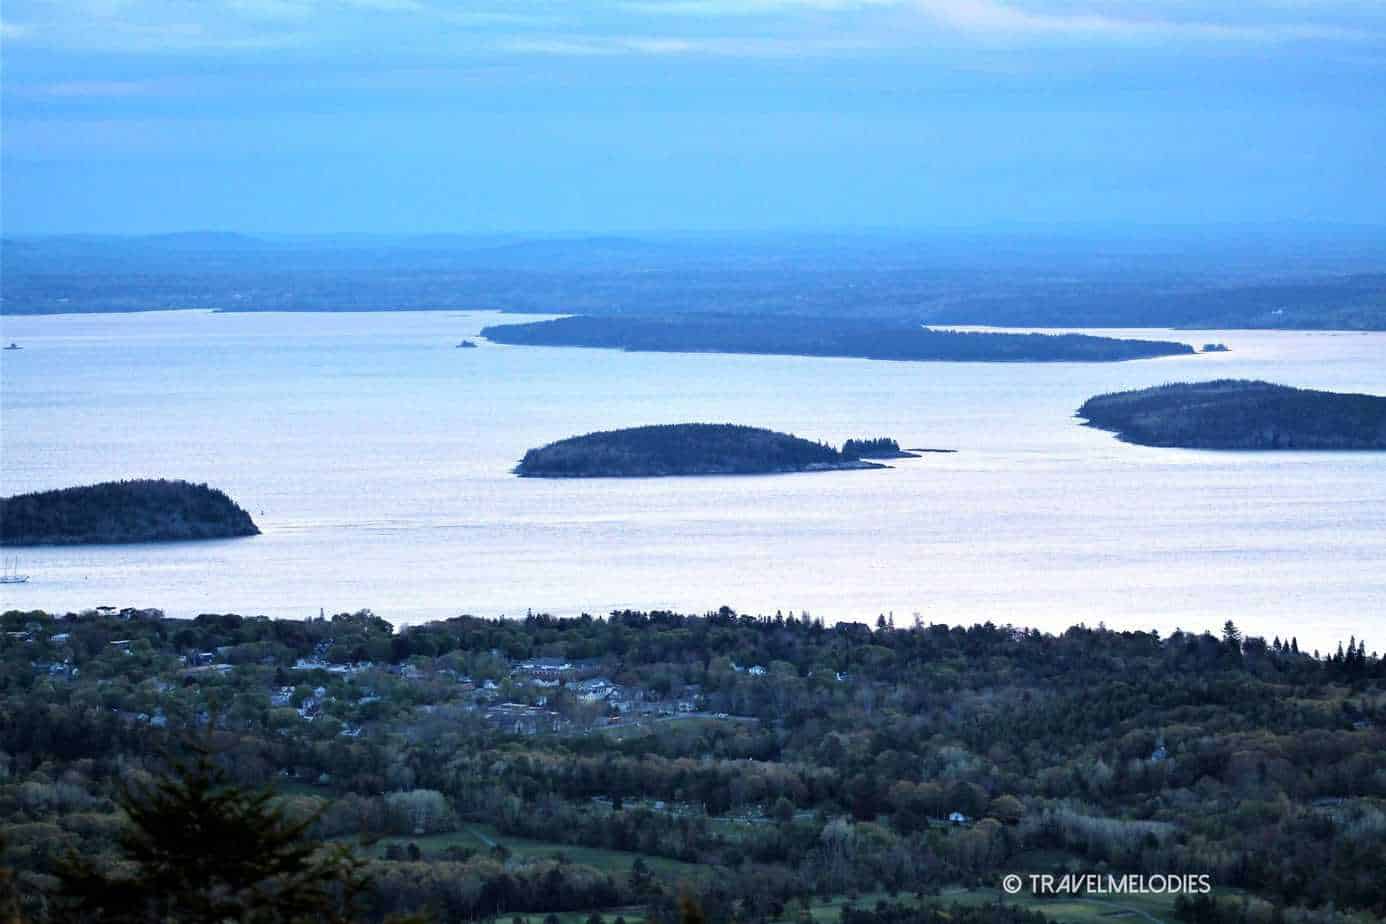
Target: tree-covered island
point(843, 337)
point(880, 447)
point(146, 510)
point(1240, 414)
point(683, 449)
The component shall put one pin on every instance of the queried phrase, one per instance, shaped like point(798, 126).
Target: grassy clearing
point(484, 837)
point(634, 915)
point(1124, 909)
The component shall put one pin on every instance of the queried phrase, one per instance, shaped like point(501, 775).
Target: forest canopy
point(148, 510)
point(682, 449)
point(1239, 414)
point(846, 337)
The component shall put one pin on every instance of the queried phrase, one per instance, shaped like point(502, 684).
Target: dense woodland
point(681, 449)
point(122, 511)
point(879, 447)
point(846, 337)
point(1238, 414)
point(813, 763)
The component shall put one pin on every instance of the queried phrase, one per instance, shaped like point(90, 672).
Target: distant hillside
point(1234, 414)
point(874, 339)
point(122, 511)
point(682, 449)
point(1332, 281)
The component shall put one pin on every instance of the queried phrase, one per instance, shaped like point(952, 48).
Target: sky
point(425, 116)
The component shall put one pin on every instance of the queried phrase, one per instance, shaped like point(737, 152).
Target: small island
point(880, 447)
point(1239, 414)
point(838, 337)
point(121, 512)
point(683, 449)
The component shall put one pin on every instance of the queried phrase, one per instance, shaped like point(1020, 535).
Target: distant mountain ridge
point(1337, 282)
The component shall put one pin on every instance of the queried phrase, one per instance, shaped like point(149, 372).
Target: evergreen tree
point(9, 899)
point(203, 851)
point(1231, 635)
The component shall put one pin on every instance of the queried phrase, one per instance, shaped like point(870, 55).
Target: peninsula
point(1239, 414)
point(683, 449)
point(122, 511)
point(841, 337)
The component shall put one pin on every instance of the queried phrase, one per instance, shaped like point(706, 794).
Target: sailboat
point(11, 574)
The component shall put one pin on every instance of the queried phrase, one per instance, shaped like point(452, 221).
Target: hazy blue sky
point(425, 115)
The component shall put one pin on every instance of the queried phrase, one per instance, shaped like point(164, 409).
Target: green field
point(484, 837)
point(1127, 909)
point(633, 915)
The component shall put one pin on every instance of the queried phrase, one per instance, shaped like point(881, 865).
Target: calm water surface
point(376, 459)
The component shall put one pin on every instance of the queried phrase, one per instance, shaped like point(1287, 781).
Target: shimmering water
point(376, 459)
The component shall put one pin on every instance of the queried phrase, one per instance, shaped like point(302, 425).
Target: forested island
point(754, 769)
point(145, 510)
point(1240, 414)
point(683, 449)
point(840, 337)
point(881, 447)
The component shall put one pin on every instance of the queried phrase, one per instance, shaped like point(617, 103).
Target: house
point(756, 671)
point(957, 818)
point(547, 669)
point(520, 719)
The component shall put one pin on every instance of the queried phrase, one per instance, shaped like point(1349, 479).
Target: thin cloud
point(737, 47)
point(10, 30)
point(996, 18)
point(744, 8)
point(741, 28)
point(1142, 19)
point(90, 89)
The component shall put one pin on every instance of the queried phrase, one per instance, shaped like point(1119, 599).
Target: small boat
point(466, 345)
point(14, 346)
point(11, 574)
